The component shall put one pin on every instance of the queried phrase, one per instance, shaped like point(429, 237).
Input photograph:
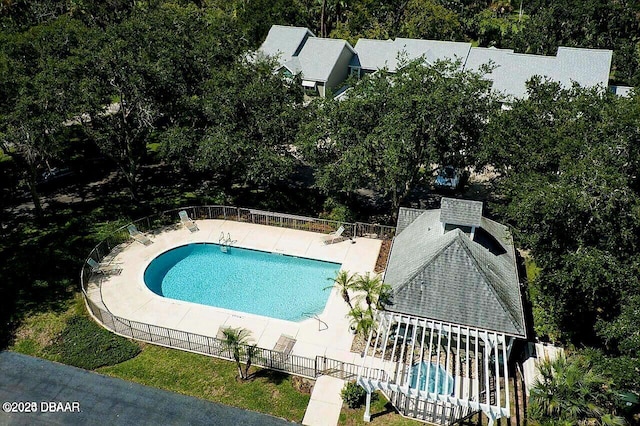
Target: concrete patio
point(126, 295)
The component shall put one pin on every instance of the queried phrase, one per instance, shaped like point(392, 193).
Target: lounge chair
point(187, 222)
point(282, 349)
point(138, 236)
point(102, 268)
point(329, 239)
point(285, 345)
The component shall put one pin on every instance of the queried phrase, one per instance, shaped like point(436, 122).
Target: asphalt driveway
point(57, 394)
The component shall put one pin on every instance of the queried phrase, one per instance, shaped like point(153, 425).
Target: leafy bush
point(85, 344)
point(334, 210)
point(353, 394)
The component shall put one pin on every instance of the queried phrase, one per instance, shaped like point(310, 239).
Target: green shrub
point(85, 344)
point(353, 394)
point(334, 210)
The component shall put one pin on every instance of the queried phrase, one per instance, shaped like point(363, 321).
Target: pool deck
point(126, 295)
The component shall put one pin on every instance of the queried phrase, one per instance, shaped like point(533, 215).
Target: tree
point(149, 69)
point(392, 127)
point(568, 164)
point(244, 128)
point(541, 131)
point(256, 17)
point(568, 184)
point(623, 334)
point(362, 320)
point(585, 288)
point(237, 341)
point(373, 288)
point(428, 19)
point(19, 15)
point(344, 282)
point(39, 69)
point(569, 391)
point(570, 179)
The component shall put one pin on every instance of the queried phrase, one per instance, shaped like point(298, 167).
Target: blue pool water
point(256, 282)
point(443, 385)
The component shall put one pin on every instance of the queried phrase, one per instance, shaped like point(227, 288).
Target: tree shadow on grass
point(40, 260)
point(271, 376)
point(37, 270)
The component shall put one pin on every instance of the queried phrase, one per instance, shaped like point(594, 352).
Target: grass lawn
point(382, 413)
point(39, 330)
point(204, 377)
point(213, 379)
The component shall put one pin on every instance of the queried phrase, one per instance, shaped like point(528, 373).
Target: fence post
point(295, 365)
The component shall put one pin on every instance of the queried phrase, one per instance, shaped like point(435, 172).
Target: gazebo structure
point(444, 341)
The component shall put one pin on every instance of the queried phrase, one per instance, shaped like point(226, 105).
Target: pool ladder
point(225, 242)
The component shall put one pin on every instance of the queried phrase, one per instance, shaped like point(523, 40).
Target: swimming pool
point(256, 282)
point(442, 384)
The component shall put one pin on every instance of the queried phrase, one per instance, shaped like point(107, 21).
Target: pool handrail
point(207, 345)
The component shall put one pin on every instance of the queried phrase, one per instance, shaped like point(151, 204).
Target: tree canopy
point(241, 129)
point(39, 71)
point(568, 165)
point(172, 84)
point(391, 128)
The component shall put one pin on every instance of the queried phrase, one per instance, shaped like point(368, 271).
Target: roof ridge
point(340, 40)
point(466, 246)
point(426, 263)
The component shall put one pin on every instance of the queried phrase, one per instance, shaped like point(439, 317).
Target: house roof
point(624, 91)
point(587, 67)
point(433, 50)
point(407, 217)
point(448, 277)
point(318, 58)
point(284, 42)
point(373, 54)
point(460, 212)
point(377, 54)
point(300, 51)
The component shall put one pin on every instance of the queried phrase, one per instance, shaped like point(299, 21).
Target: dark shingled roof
point(460, 212)
point(408, 215)
point(448, 277)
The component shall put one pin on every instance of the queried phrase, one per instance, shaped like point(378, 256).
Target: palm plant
point(569, 391)
point(373, 288)
point(250, 351)
point(344, 282)
point(236, 340)
point(384, 297)
point(362, 320)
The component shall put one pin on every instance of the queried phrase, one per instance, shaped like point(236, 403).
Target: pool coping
point(127, 296)
point(324, 298)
